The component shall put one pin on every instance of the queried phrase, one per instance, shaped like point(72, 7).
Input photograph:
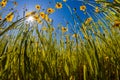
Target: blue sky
point(60, 16)
point(57, 16)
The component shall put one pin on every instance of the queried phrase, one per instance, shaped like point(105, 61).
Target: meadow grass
point(28, 52)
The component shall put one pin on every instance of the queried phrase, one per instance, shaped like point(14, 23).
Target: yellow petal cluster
point(9, 17)
point(58, 5)
point(3, 3)
point(83, 8)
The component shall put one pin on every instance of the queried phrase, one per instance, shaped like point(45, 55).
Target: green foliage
point(28, 53)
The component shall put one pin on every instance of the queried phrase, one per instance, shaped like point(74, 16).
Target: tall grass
point(29, 53)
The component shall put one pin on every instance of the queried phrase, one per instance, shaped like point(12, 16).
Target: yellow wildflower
point(30, 13)
point(9, 17)
point(58, 5)
point(96, 9)
point(42, 15)
point(50, 10)
point(116, 23)
point(49, 20)
point(39, 21)
point(46, 17)
point(36, 17)
point(64, 29)
point(3, 3)
point(37, 7)
point(88, 20)
point(75, 35)
point(83, 8)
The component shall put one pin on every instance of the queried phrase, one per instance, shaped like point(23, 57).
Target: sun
point(30, 19)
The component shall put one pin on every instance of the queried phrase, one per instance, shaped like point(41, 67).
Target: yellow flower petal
point(50, 10)
point(37, 7)
point(42, 15)
point(83, 8)
point(36, 17)
point(30, 13)
point(58, 5)
point(10, 17)
point(88, 20)
point(63, 29)
point(96, 9)
point(3, 3)
point(75, 35)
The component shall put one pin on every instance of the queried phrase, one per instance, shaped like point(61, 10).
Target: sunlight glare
point(30, 19)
